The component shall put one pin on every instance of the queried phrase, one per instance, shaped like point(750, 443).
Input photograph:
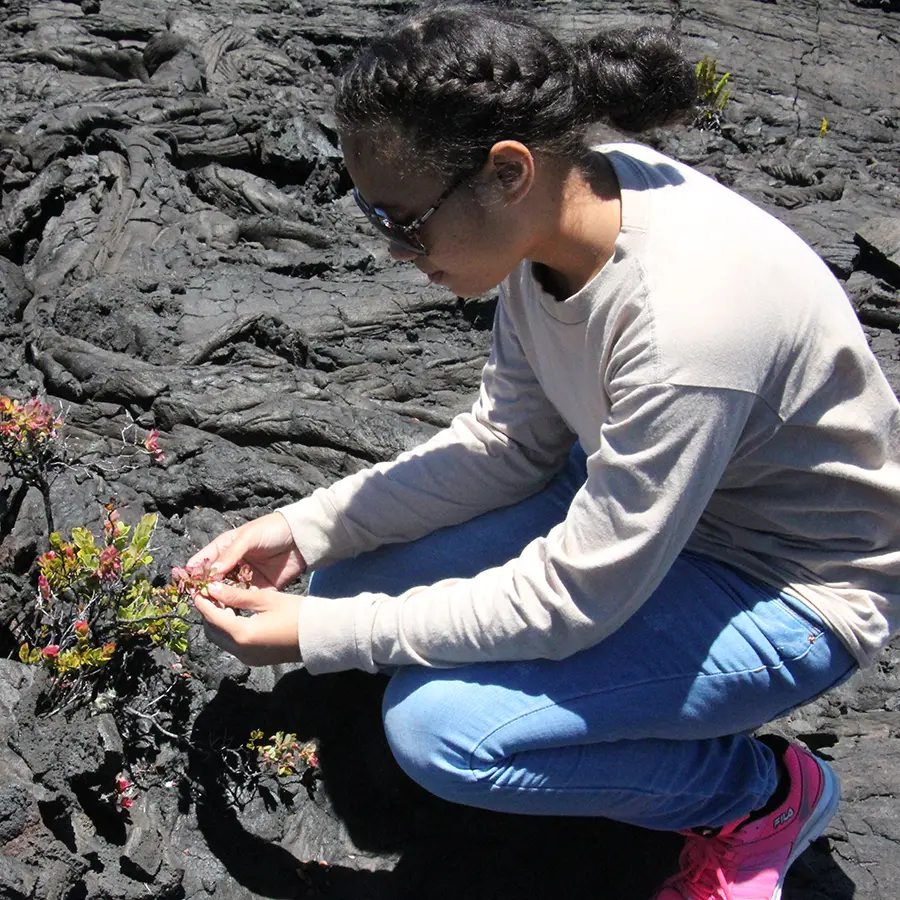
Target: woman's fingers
point(266, 638)
point(221, 617)
point(241, 598)
point(224, 552)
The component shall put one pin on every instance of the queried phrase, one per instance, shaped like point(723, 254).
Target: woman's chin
point(462, 288)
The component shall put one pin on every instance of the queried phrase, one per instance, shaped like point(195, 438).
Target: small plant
point(125, 791)
point(823, 128)
point(713, 93)
point(94, 596)
point(151, 445)
point(32, 447)
point(29, 444)
point(283, 754)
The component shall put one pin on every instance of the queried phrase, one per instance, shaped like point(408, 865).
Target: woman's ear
point(510, 167)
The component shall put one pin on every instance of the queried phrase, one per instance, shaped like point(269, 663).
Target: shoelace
point(702, 874)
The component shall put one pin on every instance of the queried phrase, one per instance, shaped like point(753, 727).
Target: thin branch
point(153, 619)
point(154, 723)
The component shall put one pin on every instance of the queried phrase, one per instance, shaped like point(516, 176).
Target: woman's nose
point(401, 253)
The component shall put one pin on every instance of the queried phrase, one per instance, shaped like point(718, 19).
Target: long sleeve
point(662, 453)
point(728, 404)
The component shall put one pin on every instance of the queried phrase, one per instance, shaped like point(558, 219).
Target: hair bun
point(634, 79)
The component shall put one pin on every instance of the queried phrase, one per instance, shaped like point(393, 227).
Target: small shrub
point(93, 595)
point(28, 433)
point(29, 444)
point(283, 755)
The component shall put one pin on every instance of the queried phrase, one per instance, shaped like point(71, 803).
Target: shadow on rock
point(387, 839)
point(817, 876)
point(364, 809)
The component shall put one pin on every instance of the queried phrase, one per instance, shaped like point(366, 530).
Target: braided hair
point(451, 80)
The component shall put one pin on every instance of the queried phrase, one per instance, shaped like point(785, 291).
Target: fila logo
point(786, 816)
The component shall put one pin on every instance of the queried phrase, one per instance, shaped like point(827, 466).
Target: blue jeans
point(649, 727)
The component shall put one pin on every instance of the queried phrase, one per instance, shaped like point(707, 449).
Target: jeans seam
point(693, 677)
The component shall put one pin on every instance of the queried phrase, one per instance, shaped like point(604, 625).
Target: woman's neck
point(583, 212)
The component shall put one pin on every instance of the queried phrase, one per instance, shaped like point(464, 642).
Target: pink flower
point(81, 628)
point(110, 563)
point(194, 579)
point(51, 651)
point(313, 760)
point(126, 802)
point(122, 784)
point(151, 445)
point(44, 586)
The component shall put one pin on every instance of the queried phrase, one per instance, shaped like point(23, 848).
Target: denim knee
point(416, 711)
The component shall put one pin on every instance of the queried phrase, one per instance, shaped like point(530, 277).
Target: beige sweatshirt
point(719, 381)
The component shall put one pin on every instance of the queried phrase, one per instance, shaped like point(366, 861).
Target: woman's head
point(448, 82)
point(425, 108)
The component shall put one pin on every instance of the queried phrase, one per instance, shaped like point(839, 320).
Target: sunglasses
point(405, 237)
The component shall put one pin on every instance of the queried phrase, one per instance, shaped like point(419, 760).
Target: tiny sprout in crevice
point(713, 93)
point(151, 445)
point(283, 755)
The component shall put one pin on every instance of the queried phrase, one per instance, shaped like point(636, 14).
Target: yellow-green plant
point(713, 92)
point(94, 595)
point(823, 128)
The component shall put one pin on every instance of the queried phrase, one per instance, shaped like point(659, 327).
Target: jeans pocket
point(792, 629)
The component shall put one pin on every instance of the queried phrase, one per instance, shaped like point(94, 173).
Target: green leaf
point(142, 533)
point(120, 541)
point(83, 539)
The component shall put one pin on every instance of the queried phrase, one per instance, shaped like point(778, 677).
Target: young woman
point(673, 513)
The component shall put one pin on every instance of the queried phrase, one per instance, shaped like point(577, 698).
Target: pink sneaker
point(747, 860)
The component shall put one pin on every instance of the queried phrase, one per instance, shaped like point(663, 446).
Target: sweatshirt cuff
point(314, 523)
point(329, 631)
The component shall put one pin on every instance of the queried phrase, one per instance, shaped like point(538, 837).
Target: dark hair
point(450, 81)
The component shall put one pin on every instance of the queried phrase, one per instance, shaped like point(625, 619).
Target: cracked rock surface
point(179, 251)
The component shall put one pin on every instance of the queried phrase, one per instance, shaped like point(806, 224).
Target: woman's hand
point(266, 638)
point(265, 544)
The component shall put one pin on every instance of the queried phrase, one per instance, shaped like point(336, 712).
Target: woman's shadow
point(407, 843)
